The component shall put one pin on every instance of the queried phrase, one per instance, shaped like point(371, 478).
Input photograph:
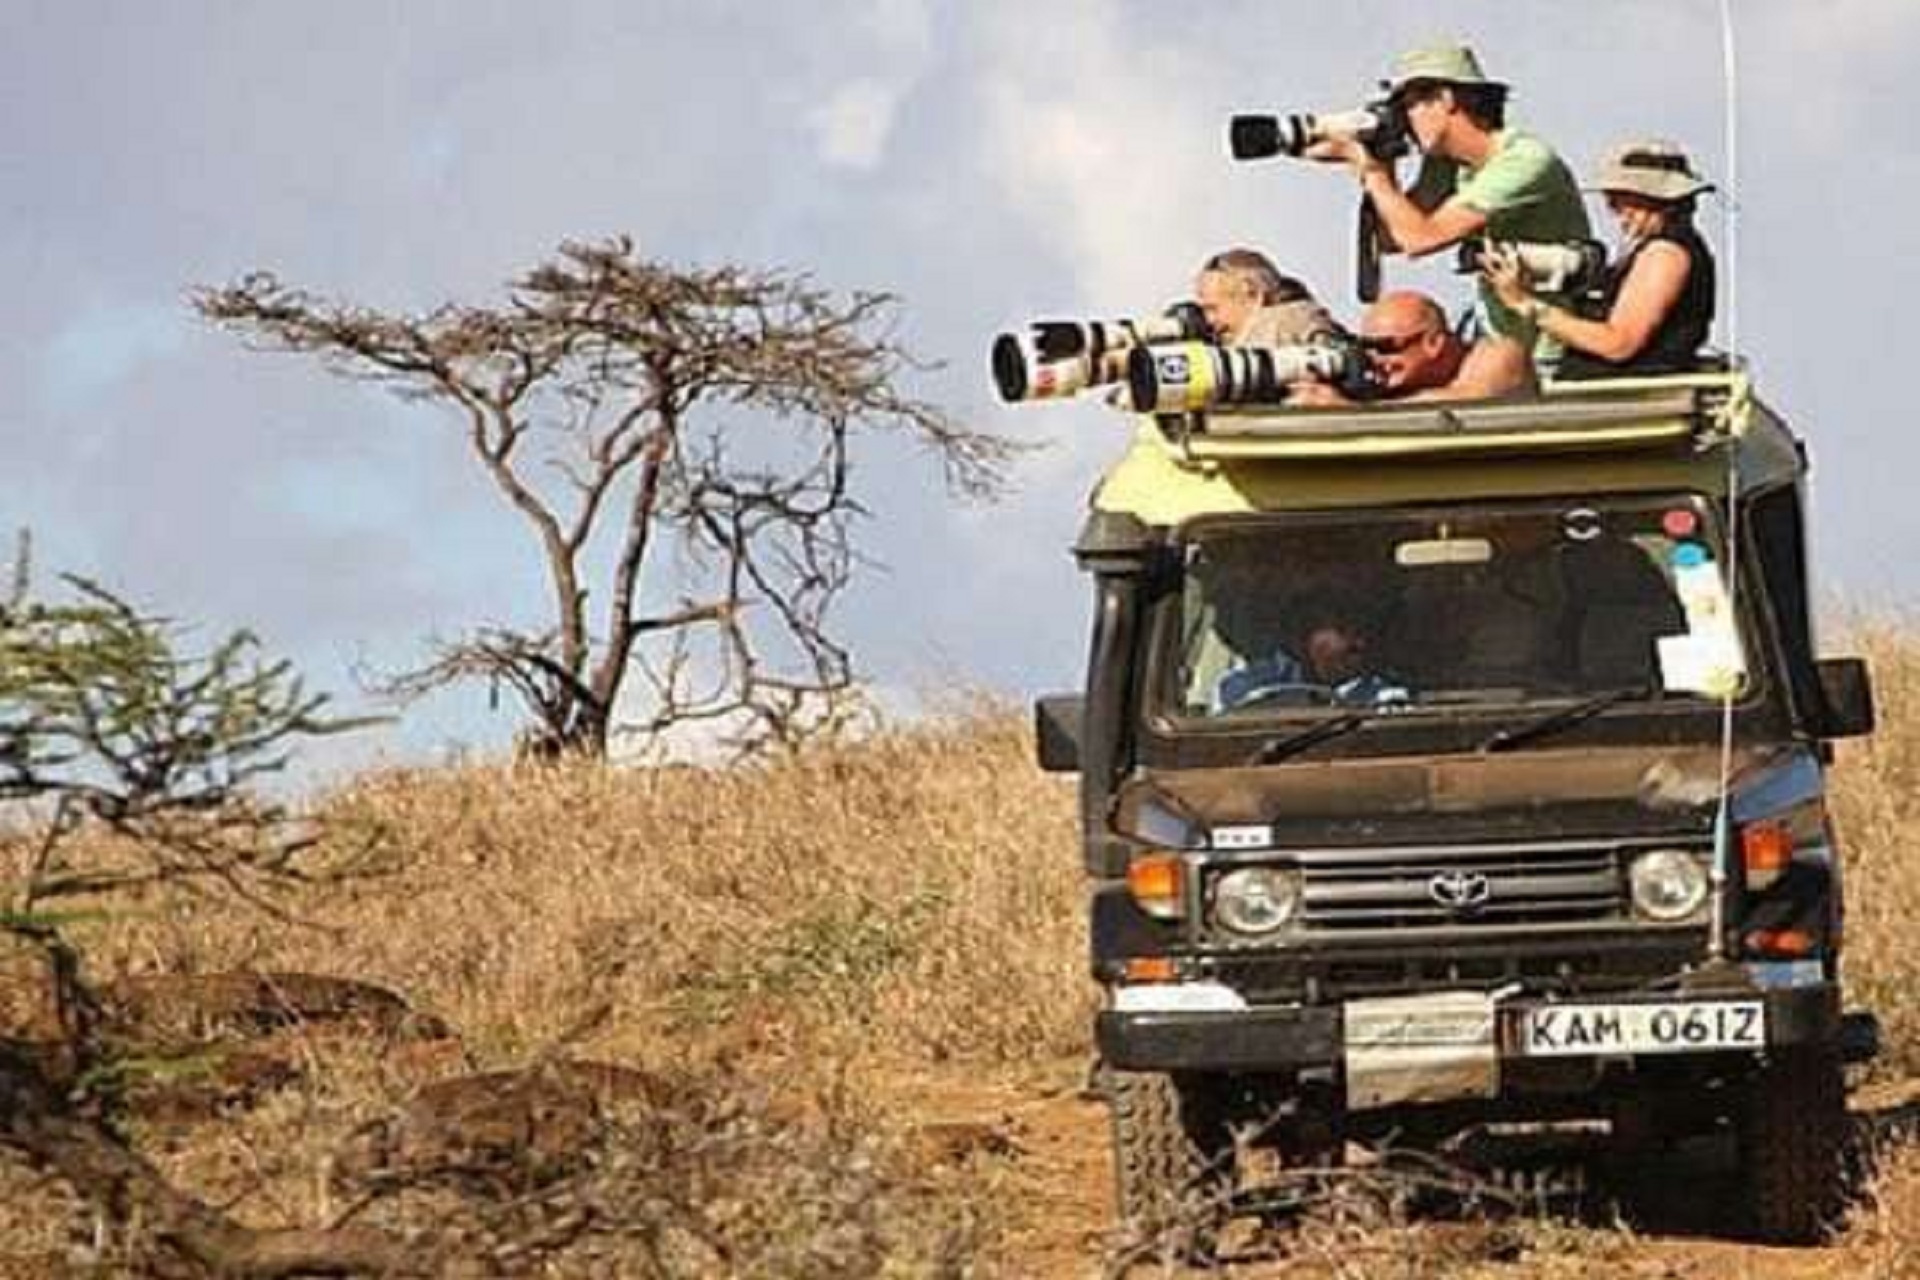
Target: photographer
point(1249, 303)
point(1656, 300)
point(1478, 176)
point(1415, 356)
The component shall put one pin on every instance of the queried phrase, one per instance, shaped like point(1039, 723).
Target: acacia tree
point(106, 721)
point(679, 443)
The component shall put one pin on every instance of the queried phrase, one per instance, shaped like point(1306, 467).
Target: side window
point(1780, 539)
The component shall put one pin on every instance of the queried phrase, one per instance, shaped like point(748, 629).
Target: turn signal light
point(1766, 848)
point(1780, 942)
point(1150, 969)
point(1156, 881)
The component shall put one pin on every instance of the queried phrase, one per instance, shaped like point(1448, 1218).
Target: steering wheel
point(1286, 693)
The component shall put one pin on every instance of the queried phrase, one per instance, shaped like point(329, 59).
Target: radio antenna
point(1730, 191)
point(1722, 867)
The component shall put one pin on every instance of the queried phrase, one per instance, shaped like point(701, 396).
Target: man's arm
point(1411, 229)
point(1416, 231)
point(1316, 395)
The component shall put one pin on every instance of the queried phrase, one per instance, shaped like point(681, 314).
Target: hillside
point(826, 1017)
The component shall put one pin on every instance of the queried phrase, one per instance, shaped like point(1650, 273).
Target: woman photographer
point(1655, 303)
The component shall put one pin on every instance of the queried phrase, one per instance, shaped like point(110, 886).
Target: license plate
point(1667, 1027)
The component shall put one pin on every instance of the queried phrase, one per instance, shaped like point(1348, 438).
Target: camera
point(1186, 376)
point(1379, 126)
point(1564, 267)
point(1057, 358)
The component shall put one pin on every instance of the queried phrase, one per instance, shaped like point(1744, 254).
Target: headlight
point(1256, 900)
point(1667, 884)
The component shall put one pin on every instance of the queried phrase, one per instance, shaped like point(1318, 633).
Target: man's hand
point(1315, 395)
point(1348, 151)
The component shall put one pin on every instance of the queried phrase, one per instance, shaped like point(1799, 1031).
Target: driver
point(1333, 668)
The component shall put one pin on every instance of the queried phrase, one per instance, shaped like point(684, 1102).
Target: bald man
point(1417, 356)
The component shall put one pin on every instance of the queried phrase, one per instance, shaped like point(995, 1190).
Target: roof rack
point(1696, 411)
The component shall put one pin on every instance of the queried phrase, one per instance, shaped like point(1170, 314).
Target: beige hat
point(1650, 167)
point(1449, 63)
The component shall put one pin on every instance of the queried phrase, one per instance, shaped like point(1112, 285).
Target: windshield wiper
point(1276, 749)
point(1565, 718)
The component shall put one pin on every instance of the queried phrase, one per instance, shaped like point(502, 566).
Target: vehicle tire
point(1792, 1130)
point(1173, 1161)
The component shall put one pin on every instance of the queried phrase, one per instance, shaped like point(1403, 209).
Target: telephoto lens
point(1571, 266)
point(1186, 376)
point(1061, 357)
point(1022, 371)
point(1254, 137)
point(1379, 126)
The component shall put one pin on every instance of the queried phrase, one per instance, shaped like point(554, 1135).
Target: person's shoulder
point(1490, 347)
point(1520, 149)
point(1526, 144)
point(1282, 324)
point(1498, 365)
point(1520, 167)
point(1665, 248)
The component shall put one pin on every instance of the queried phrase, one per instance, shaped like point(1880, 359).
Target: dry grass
point(917, 894)
point(780, 936)
point(1876, 803)
point(797, 938)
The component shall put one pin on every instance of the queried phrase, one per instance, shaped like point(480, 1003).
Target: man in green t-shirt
point(1478, 177)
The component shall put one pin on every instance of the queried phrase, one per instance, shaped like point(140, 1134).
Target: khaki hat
point(1650, 167)
point(1448, 63)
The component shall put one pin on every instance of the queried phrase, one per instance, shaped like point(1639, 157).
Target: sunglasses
point(1393, 346)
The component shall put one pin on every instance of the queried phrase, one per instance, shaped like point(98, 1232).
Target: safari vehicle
point(1462, 765)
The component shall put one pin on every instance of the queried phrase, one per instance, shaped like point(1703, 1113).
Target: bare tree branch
point(580, 397)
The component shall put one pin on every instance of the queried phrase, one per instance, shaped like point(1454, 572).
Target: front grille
point(1425, 888)
point(1549, 915)
point(1565, 970)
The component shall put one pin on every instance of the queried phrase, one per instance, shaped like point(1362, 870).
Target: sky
point(989, 161)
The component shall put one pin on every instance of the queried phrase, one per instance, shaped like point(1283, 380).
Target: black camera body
point(1381, 127)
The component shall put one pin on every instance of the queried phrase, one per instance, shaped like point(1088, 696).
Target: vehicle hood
point(1544, 793)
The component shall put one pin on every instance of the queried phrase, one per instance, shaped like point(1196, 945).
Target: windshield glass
point(1399, 610)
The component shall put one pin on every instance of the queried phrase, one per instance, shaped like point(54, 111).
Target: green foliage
point(97, 704)
point(106, 717)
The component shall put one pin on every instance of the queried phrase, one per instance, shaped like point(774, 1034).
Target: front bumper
point(1301, 1037)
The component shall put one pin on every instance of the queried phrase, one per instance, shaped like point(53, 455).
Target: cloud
point(992, 162)
point(852, 127)
point(853, 124)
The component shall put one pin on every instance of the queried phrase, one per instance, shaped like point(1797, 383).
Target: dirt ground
point(1044, 1132)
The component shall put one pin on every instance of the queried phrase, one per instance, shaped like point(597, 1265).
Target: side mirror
point(1056, 731)
point(1847, 691)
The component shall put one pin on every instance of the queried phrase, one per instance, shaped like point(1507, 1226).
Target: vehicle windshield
point(1396, 610)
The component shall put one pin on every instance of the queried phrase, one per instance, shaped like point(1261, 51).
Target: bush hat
point(1444, 63)
point(1649, 167)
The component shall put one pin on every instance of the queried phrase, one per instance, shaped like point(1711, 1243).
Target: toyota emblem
point(1460, 891)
